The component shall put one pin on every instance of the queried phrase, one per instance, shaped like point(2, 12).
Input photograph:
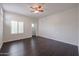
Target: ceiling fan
point(37, 8)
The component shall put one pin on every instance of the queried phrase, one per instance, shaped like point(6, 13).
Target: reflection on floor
point(38, 46)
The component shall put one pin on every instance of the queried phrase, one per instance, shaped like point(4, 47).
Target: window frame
point(18, 28)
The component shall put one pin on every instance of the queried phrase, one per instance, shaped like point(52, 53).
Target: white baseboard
point(58, 40)
point(17, 39)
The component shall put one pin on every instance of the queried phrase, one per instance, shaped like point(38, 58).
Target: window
point(20, 27)
point(17, 27)
point(32, 25)
point(13, 27)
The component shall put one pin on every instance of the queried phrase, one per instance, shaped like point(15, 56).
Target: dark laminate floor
point(38, 47)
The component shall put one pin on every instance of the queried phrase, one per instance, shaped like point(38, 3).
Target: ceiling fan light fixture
point(36, 11)
point(38, 8)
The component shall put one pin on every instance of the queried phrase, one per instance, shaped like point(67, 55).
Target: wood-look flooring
point(38, 46)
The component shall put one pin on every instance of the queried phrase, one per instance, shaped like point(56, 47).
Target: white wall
point(78, 29)
point(1, 27)
point(8, 17)
point(61, 26)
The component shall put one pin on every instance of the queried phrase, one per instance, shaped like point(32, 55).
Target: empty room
point(39, 29)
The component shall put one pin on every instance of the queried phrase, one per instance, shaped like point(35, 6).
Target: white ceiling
point(24, 8)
